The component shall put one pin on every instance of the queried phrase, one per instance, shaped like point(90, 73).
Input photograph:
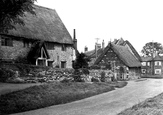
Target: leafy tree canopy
point(152, 48)
point(11, 12)
point(81, 61)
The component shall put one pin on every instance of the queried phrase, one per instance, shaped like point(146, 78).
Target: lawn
point(10, 87)
point(151, 106)
point(40, 96)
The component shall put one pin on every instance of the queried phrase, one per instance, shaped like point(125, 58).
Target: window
point(157, 63)
point(143, 63)
point(6, 41)
point(148, 63)
point(63, 64)
point(49, 46)
point(63, 48)
point(26, 43)
point(143, 70)
point(158, 71)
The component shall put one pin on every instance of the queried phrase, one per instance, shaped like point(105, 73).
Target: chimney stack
point(75, 40)
point(85, 49)
point(103, 44)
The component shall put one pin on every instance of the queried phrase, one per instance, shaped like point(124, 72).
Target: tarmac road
point(109, 103)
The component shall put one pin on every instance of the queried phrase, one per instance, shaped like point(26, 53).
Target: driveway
point(109, 103)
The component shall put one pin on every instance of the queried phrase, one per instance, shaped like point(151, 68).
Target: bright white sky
point(138, 21)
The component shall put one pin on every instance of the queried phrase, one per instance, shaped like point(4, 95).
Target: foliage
point(95, 67)
point(11, 12)
point(49, 94)
point(81, 61)
point(102, 76)
point(93, 79)
point(5, 74)
point(151, 48)
point(85, 71)
point(77, 75)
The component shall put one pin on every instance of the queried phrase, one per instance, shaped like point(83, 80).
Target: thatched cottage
point(120, 60)
point(43, 40)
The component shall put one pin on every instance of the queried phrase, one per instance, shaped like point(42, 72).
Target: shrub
point(77, 75)
point(85, 71)
point(5, 74)
point(94, 79)
point(102, 76)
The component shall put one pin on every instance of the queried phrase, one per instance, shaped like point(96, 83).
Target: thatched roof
point(46, 25)
point(123, 53)
point(123, 43)
point(92, 53)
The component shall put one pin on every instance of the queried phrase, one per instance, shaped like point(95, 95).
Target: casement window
point(143, 63)
point(26, 43)
point(158, 71)
point(143, 70)
point(50, 46)
point(157, 63)
point(5, 41)
point(63, 64)
point(148, 63)
point(63, 47)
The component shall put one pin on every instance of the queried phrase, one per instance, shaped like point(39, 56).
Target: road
point(109, 103)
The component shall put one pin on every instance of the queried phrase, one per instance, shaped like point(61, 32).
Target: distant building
point(152, 66)
point(120, 60)
point(43, 40)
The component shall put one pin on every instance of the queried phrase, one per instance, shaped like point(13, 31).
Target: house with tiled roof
point(152, 66)
point(120, 60)
point(43, 40)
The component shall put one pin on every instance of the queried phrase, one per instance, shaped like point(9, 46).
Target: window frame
point(6, 41)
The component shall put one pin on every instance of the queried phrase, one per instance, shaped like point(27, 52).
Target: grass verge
point(36, 97)
point(151, 106)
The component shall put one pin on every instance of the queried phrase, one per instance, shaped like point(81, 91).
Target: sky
point(138, 21)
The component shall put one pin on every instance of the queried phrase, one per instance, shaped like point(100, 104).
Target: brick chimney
point(103, 44)
point(75, 40)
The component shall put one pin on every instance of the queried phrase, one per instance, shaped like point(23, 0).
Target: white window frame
point(143, 63)
point(148, 63)
point(143, 70)
point(157, 63)
point(158, 71)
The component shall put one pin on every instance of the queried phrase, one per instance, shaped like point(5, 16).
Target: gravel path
point(109, 103)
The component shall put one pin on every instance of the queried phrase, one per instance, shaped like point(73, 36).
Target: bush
point(5, 74)
point(85, 71)
point(77, 76)
point(94, 79)
point(102, 76)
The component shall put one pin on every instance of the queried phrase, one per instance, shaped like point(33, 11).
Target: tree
point(152, 48)
point(81, 61)
point(11, 12)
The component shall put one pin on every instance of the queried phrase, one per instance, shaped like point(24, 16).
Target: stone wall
point(57, 55)
point(12, 52)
